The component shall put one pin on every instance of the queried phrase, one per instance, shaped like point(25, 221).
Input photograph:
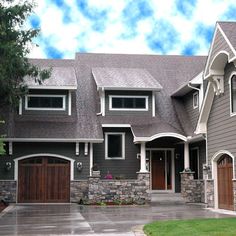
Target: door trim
point(172, 190)
point(16, 160)
point(214, 161)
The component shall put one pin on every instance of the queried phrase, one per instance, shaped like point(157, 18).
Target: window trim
point(127, 109)
point(123, 146)
point(44, 108)
point(197, 95)
point(230, 93)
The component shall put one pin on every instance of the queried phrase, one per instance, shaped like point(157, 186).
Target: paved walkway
point(73, 219)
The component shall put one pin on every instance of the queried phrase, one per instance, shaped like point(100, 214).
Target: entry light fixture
point(8, 165)
point(79, 166)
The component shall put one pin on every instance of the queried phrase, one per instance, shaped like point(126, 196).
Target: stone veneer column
point(234, 192)
point(143, 185)
point(210, 192)
point(8, 190)
point(94, 189)
point(186, 183)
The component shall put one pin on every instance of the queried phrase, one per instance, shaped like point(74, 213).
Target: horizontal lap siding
point(221, 128)
point(126, 168)
point(64, 149)
point(188, 104)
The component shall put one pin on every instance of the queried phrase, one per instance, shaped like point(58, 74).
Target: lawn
point(200, 227)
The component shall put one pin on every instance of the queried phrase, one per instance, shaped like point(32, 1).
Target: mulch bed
point(3, 206)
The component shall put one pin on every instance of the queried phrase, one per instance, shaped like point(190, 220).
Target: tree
point(15, 45)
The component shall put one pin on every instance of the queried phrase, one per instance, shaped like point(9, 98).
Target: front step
point(167, 198)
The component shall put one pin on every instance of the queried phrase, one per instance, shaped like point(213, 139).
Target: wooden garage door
point(225, 183)
point(44, 179)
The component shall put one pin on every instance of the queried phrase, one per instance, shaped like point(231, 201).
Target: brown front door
point(225, 183)
point(44, 179)
point(158, 170)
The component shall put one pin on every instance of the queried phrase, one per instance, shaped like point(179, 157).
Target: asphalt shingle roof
point(124, 78)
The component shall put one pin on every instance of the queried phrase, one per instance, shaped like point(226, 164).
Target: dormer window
point(134, 103)
point(195, 100)
point(233, 94)
point(45, 102)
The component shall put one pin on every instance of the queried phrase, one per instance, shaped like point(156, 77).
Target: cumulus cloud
point(126, 26)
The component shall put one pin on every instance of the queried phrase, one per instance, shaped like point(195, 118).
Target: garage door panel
point(44, 180)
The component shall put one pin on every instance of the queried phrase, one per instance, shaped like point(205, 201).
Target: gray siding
point(219, 45)
point(202, 155)
point(130, 112)
point(126, 168)
point(193, 114)
point(221, 127)
point(64, 149)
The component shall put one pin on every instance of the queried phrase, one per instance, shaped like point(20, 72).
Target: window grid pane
point(128, 103)
point(45, 102)
point(233, 93)
point(114, 145)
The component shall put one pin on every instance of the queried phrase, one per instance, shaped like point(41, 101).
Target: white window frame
point(196, 94)
point(230, 94)
point(43, 108)
point(106, 146)
point(127, 109)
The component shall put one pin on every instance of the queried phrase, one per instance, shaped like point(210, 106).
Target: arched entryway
point(225, 183)
point(43, 179)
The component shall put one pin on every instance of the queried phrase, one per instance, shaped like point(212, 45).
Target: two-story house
point(149, 123)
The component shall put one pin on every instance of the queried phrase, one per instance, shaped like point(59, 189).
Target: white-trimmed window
point(233, 95)
point(195, 100)
point(127, 103)
point(114, 146)
point(45, 102)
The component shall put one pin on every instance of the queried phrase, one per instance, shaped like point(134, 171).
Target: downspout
point(101, 91)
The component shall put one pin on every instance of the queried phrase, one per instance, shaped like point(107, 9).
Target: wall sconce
point(8, 165)
point(206, 167)
point(138, 156)
point(177, 156)
point(79, 166)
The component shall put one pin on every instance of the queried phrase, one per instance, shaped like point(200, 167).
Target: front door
point(44, 179)
point(161, 170)
point(225, 183)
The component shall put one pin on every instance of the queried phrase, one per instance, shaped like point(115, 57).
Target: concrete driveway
point(72, 219)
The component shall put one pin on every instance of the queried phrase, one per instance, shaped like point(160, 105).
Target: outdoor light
point(8, 165)
point(79, 166)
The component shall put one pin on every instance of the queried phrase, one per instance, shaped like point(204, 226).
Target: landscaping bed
point(198, 227)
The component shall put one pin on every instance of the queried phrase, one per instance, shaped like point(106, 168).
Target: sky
point(165, 27)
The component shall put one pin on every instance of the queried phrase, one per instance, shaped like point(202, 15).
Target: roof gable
point(221, 51)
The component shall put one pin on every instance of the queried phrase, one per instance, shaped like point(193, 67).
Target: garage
point(225, 183)
point(44, 180)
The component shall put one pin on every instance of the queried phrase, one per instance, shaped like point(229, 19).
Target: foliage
point(2, 144)
point(15, 45)
point(199, 227)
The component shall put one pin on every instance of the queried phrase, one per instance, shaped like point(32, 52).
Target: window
point(195, 100)
point(45, 102)
point(233, 94)
point(137, 103)
point(115, 145)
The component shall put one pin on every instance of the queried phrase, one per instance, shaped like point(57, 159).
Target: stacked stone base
point(126, 191)
point(8, 190)
point(192, 190)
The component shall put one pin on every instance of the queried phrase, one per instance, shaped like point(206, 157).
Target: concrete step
point(167, 198)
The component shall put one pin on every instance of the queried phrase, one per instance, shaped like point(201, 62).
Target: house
point(153, 123)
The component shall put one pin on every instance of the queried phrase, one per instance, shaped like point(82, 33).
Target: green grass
point(200, 227)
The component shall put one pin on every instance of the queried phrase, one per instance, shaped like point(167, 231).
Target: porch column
point(186, 156)
point(143, 158)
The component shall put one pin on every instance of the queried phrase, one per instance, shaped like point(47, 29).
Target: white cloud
point(79, 33)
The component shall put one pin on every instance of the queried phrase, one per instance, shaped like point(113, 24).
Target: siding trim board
point(214, 161)
point(230, 93)
point(16, 160)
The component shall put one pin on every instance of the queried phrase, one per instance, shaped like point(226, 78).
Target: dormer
point(53, 96)
point(125, 91)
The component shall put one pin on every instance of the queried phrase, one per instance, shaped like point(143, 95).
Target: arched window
point(233, 94)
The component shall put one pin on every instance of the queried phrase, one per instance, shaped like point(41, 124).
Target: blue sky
point(170, 27)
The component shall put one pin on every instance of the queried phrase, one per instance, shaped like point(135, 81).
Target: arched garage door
point(225, 183)
point(44, 179)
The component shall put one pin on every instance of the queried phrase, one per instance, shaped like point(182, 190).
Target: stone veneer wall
point(192, 190)
point(122, 190)
point(210, 192)
point(8, 190)
point(78, 190)
point(234, 191)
